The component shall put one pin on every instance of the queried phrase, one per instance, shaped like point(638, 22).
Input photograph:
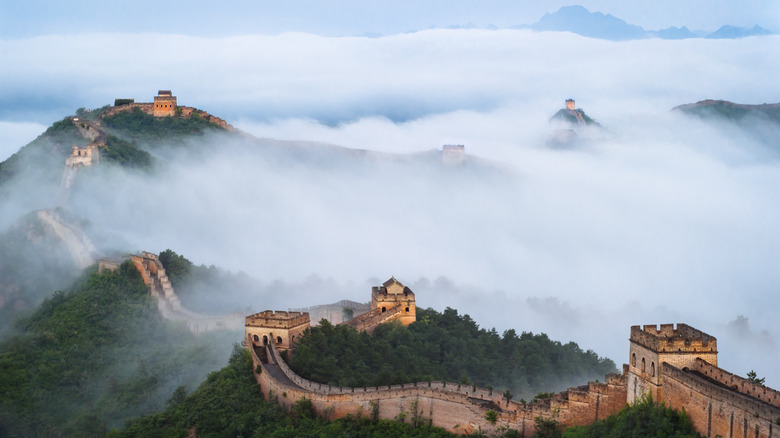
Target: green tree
point(753, 377)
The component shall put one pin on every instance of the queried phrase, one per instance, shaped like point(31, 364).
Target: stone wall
point(718, 410)
point(371, 320)
point(168, 304)
point(737, 383)
point(719, 403)
point(457, 408)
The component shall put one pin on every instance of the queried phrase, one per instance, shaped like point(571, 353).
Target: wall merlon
point(669, 339)
point(737, 383)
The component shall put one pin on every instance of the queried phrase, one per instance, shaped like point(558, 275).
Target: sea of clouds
point(658, 218)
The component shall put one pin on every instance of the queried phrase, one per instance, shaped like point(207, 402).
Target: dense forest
point(445, 346)
point(137, 126)
point(89, 358)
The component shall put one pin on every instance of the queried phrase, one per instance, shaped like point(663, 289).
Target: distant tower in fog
point(453, 153)
point(570, 104)
point(164, 104)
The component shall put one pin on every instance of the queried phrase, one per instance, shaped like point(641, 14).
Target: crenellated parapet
point(278, 328)
point(277, 319)
point(671, 339)
point(456, 407)
point(393, 294)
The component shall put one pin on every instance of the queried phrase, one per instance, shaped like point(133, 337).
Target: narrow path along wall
point(168, 304)
point(457, 408)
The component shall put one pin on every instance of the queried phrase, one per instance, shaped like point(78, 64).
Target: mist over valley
point(333, 179)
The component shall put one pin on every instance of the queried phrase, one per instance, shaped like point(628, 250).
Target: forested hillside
point(445, 346)
point(89, 358)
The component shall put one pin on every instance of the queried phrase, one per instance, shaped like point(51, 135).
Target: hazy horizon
point(660, 218)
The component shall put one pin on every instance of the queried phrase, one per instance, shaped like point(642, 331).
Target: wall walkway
point(457, 408)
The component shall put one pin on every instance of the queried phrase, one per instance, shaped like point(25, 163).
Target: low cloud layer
point(658, 218)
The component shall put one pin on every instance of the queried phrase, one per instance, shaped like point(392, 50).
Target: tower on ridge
point(650, 347)
point(280, 328)
point(570, 104)
point(164, 104)
point(392, 294)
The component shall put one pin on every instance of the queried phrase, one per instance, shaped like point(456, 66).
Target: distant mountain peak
point(579, 20)
point(731, 32)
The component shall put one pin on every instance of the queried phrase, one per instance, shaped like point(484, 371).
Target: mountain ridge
point(579, 20)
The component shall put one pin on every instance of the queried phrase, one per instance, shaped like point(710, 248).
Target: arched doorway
point(265, 340)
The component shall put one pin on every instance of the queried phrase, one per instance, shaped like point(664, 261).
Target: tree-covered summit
point(444, 346)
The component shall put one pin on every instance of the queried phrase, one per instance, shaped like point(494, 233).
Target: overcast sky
point(354, 17)
point(660, 219)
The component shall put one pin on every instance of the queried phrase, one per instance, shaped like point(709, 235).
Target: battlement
point(164, 104)
point(668, 339)
point(277, 319)
point(393, 294)
point(737, 383)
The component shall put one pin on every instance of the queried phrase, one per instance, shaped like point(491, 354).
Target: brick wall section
point(168, 304)
point(370, 320)
point(716, 409)
point(458, 408)
point(280, 328)
point(737, 383)
point(718, 402)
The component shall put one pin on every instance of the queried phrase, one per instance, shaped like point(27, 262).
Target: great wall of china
point(168, 303)
point(164, 105)
point(676, 365)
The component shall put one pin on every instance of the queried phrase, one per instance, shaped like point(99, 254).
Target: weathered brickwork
point(716, 409)
point(650, 346)
point(164, 104)
point(678, 366)
point(280, 328)
point(455, 407)
point(394, 294)
point(718, 403)
point(458, 408)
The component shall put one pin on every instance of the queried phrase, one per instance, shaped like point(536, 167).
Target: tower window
point(643, 364)
point(633, 360)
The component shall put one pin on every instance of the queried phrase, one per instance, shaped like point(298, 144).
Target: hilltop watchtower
point(394, 294)
point(453, 153)
point(280, 327)
point(570, 104)
point(650, 347)
point(164, 104)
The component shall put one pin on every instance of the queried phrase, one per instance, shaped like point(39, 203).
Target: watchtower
point(280, 327)
point(453, 153)
point(164, 104)
point(570, 104)
point(394, 294)
point(650, 347)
